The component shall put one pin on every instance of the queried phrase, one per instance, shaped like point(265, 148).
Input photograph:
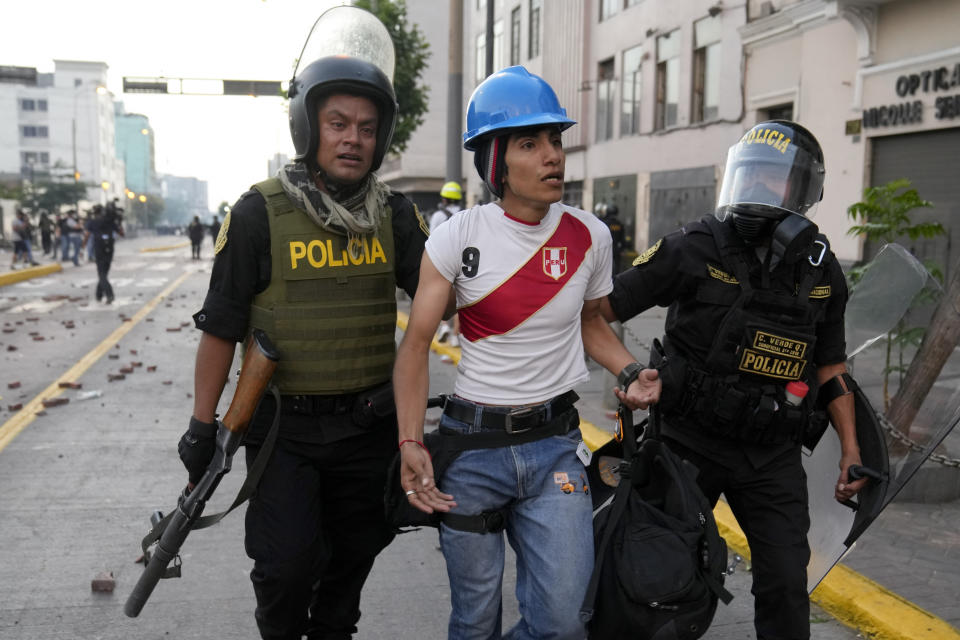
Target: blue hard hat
point(509, 99)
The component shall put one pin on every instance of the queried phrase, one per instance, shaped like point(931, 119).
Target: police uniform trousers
point(313, 529)
point(770, 504)
point(103, 253)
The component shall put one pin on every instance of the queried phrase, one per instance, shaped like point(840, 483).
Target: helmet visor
point(350, 32)
point(790, 180)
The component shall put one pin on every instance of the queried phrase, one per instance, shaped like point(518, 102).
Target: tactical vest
point(765, 340)
point(330, 312)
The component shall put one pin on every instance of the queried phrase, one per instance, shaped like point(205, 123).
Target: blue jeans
point(549, 526)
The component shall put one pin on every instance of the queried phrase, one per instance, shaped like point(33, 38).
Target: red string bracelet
point(418, 443)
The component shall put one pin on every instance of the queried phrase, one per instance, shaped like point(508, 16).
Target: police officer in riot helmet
point(754, 334)
point(313, 257)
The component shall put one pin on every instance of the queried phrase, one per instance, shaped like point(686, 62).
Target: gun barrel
point(165, 551)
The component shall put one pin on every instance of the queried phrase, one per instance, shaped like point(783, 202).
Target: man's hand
point(846, 488)
point(416, 478)
point(642, 392)
point(196, 448)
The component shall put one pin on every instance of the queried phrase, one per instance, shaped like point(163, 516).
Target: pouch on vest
point(374, 405)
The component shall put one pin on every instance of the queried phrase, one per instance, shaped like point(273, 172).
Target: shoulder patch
point(720, 275)
point(646, 255)
point(222, 236)
point(423, 223)
point(820, 292)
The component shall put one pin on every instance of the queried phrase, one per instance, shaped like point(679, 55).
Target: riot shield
point(890, 292)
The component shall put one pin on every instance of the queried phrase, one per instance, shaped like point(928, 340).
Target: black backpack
point(660, 561)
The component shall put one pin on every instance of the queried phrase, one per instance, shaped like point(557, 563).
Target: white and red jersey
point(520, 289)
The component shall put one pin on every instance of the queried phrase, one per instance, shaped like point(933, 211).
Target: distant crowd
point(62, 236)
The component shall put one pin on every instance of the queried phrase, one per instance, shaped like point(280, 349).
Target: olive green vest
point(331, 315)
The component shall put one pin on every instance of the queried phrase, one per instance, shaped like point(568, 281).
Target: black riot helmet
point(352, 53)
point(774, 171)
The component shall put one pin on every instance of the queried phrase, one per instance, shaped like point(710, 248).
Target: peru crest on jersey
point(555, 262)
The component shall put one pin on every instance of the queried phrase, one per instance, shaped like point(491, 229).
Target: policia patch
point(646, 255)
point(222, 236)
point(774, 356)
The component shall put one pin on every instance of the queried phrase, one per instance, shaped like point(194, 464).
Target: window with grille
point(668, 79)
point(706, 70)
point(533, 39)
point(630, 92)
point(605, 90)
point(515, 36)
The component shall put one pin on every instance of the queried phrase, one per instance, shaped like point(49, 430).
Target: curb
point(28, 273)
point(168, 247)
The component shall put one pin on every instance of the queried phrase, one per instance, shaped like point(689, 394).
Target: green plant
point(412, 50)
point(884, 216)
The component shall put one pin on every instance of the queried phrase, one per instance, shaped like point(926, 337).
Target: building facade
point(61, 125)
point(661, 89)
point(878, 82)
point(135, 146)
point(184, 198)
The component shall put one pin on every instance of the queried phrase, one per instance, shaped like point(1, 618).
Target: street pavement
point(80, 481)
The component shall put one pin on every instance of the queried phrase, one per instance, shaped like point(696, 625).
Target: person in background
point(46, 232)
point(196, 232)
point(451, 201)
point(102, 228)
point(215, 231)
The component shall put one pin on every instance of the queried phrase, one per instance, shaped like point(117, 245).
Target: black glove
point(196, 447)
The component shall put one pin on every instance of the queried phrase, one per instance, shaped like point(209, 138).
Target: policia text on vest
point(318, 254)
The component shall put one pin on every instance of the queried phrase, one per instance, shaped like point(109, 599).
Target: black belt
point(510, 419)
point(317, 405)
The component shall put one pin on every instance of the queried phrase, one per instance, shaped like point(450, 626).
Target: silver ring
point(411, 492)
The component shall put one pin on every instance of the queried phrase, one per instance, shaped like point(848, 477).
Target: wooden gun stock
point(259, 363)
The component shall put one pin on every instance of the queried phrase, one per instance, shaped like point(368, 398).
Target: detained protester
point(754, 328)
point(313, 257)
point(526, 273)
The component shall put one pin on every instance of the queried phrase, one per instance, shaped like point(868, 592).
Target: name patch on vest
point(722, 276)
point(322, 254)
point(820, 292)
point(779, 345)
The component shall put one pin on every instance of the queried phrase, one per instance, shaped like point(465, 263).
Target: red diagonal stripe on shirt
point(529, 288)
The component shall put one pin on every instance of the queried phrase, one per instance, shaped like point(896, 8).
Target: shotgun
point(259, 363)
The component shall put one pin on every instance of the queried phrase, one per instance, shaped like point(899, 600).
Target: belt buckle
point(298, 405)
point(521, 412)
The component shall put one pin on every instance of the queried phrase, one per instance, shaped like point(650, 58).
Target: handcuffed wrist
point(202, 429)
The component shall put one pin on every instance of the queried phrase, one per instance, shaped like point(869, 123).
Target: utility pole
point(455, 93)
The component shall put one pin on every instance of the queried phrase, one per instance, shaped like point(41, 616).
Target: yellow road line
point(19, 421)
point(169, 247)
point(26, 274)
point(436, 347)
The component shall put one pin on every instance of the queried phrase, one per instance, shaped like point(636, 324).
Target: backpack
point(660, 561)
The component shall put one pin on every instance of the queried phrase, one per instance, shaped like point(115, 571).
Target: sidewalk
point(901, 580)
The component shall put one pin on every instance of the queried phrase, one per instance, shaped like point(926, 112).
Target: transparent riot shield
point(893, 295)
point(349, 31)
